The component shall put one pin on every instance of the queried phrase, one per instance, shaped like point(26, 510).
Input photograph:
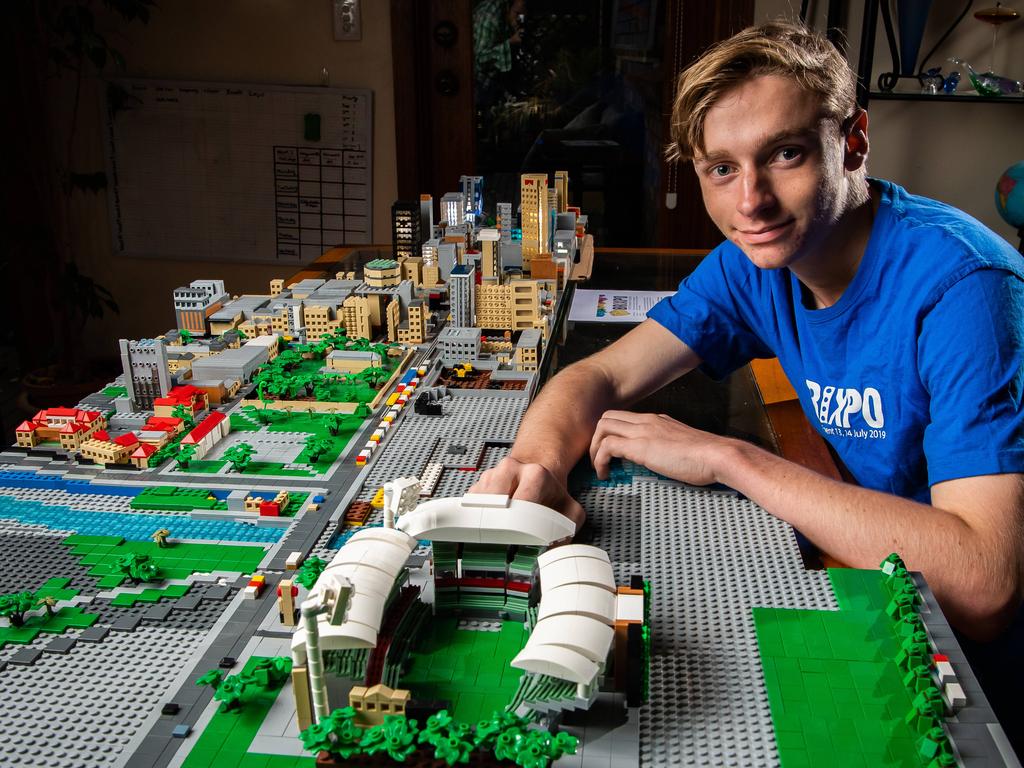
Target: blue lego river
point(131, 526)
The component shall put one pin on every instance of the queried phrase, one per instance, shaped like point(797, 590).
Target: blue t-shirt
point(914, 375)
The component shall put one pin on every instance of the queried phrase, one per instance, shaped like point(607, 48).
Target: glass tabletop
point(729, 407)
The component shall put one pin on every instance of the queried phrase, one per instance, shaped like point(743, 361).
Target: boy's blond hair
point(776, 48)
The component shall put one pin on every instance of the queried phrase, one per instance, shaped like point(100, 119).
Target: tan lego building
point(412, 269)
point(351, 360)
point(269, 321)
point(102, 450)
point(382, 273)
point(375, 703)
point(494, 306)
point(525, 304)
point(562, 190)
point(320, 321)
point(356, 315)
point(533, 192)
point(526, 356)
point(431, 275)
point(392, 316)
point(68, 426)
point(414, 330)
point(489, 266)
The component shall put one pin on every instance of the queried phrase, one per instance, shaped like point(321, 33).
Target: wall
point(951, 152)
point(267, 41)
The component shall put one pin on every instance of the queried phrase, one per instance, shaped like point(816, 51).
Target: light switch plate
point(348, 22)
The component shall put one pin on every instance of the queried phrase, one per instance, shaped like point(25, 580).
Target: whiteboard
point(224, 172)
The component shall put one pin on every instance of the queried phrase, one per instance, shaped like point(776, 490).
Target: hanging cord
point(671, 185)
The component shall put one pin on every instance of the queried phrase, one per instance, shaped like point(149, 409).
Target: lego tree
point(185, 414)
point(288, 360)
point(374, 375)
point(272, 672)
point(452, 742)
point(396, 737)
point(185, 335)
point(322, 391)
point(337, 734)
point(185, 455)
point(333, 422)
point(240, 456)
point(49, 603)
point(212, 678)
point(14, 606)
point(160, 537)
point(137, 567)
point(231, 690)
point(267, 674)
point(310, 571)
point(316, 447)
point(306, 382)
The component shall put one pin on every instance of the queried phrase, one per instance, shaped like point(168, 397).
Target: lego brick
point(26, 656)
point(61, 644)
point(94, 634)
point(158, 612)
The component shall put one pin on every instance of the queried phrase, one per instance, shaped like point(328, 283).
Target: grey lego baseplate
point(712, 557)
point(90, 695)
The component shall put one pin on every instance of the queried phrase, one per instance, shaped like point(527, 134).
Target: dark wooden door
point(432, 50)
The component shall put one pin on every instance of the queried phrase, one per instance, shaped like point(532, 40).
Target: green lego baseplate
point(836, 693)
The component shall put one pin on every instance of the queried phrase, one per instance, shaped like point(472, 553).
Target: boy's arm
point(557, 428)
point(969, 542)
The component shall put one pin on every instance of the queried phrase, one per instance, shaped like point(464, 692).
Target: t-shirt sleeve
point(971, 360)
point(706, 315)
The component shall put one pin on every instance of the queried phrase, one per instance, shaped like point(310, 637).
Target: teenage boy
point(899, 320)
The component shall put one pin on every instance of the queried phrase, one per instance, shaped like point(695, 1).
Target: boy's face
point(772, 170)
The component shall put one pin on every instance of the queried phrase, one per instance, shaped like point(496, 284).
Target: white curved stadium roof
point(481, 518)
point(371, 560)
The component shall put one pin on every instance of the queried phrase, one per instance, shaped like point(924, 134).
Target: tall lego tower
point(195, 302)
point(462, 295)
point(405, 229)
point(453, 209)
point(562, 190)
point(146, 377)
point(473, 195)
point(505, 222)
point(490, 258)
point(426, 216)
point(533, 193)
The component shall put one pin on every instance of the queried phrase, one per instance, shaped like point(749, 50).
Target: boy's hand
point(530, 482)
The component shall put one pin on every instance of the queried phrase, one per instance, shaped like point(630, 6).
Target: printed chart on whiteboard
point(238, 172)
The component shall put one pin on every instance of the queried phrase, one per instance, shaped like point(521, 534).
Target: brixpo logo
point(835, 405)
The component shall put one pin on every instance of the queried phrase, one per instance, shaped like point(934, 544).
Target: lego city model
point(253, 498)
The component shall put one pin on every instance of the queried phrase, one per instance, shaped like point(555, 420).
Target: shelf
point(947, 97)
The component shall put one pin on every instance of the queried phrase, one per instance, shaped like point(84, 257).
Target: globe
point(1010, 195)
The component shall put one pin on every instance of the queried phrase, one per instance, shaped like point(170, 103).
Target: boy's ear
point(855, 148)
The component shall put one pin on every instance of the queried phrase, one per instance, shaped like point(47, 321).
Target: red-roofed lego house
point(68, 426)
point(158, 430)
point(141, 455)
point(193, 399)
point(207, 433)
point(101, 449)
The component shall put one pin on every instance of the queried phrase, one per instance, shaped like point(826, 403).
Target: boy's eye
point(720, 170)
point(789, 153)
